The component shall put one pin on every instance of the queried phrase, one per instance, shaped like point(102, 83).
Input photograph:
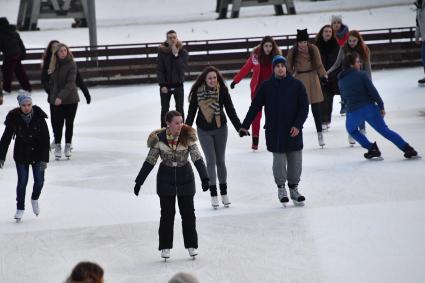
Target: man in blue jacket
point(364, 104)
point(286, 108)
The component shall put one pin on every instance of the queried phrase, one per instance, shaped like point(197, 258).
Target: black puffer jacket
point(11, 43)
point(31, 141)
point(170, 69)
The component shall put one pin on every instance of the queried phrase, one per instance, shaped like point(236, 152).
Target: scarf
point(27, 117)
point(172, 140)
point(208, 103)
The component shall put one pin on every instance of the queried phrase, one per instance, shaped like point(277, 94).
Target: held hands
point(137, 189)
point(243, 132)
point(232, 85)
point(58, 101)
point(205, 184)
point(294, 132)
point(1, 163)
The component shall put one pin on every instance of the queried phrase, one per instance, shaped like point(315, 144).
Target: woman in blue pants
point(365, 104)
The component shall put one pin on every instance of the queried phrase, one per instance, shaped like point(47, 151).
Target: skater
point(420, 32)
point(86, 272)
point(63, 97)
point(210, 95)
point(27, 125)
point(285, 104)
point(260, 62)
point(13, 53)
point(328, 48)
point(365, 104)
point(45, 80)
point(356, 44)
point(340, 30)
point(175, 179)
point(170, 68)
point(305, 63)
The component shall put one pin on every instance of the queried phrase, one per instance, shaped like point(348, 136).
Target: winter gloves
point(137, 189)
point(205, 184)
point(243, 132)
point(232, 85)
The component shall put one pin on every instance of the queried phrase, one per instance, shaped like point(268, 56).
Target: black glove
point(88, 98)
point(243, 133)
point(323, 81)
point(137, 189)
point(205, 184)
point(232, 85)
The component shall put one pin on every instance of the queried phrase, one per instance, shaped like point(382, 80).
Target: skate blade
point(18, 220)
point(421, 85)
point(57, 158)
point(298, 203)
point(215, 206)
point(414, 157)
point(193, 257)
point(380, 158)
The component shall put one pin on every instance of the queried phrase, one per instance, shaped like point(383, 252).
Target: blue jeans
point(23, 172)
point(371, 114)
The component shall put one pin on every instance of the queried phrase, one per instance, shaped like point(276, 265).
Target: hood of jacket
point(187, 135)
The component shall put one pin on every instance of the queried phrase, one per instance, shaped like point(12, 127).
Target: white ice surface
point(363, 222)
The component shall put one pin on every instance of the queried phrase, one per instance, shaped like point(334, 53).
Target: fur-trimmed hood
point(165, 47)
point(187, 136)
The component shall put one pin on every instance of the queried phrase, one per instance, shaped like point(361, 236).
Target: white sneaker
point(351, 140)
point(321, 139)
point(58, 151)
point(192, 252)
point(68, 150)
point(18, 215)
point(214, 202)
point(165, 253)
point(35, 207)
point(225, 200)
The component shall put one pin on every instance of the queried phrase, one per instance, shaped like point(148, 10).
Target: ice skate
point(18, 215)
point(373, 153)
point(421, 82)
point(351, 140)
point(296, 197)
point(410, 152)
point(225, 200)
point(320, 139)
point(68, 153)
point(58, 151)
point(165, 254)
point(325, 127)
point(282, 195)
point(192, 252)
point(214, 202)
point(35, 207)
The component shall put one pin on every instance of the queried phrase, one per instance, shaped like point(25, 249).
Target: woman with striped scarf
point(210, 95)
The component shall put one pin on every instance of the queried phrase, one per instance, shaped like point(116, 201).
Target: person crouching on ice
point(364, 103)
point(27, 123)
point(175, 178)
point(286, 109)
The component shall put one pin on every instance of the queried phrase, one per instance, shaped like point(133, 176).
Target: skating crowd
point(336, 63)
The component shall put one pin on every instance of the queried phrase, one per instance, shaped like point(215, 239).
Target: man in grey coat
point(420, 32)
point(170, 68)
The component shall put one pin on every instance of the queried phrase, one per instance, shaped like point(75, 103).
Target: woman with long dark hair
point(305, 64)
point(210, 96)
point(175, 179)
point(329, 48)
point(260, 63)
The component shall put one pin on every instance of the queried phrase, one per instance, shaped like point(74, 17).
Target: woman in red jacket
point(260, 62)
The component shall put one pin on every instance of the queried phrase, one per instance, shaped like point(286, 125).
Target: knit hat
point(183, 277)
point(302, 35)
point(24, 96)
point(336, 19)
point(278, 59)
point(4, 22)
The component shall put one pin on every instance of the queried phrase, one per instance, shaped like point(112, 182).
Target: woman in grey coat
point(63, 97)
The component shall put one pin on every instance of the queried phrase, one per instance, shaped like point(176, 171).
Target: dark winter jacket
point(11, 43)
point(62, 82)
point(285, 106)
point(31, 140)
point(45, 82)
point(329, 52)
point(225, 101)
point(169, 68)
point(357, 90)
point(175, 174)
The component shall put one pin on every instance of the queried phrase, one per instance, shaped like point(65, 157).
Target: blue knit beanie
point(278, 59)
point(23, 97)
